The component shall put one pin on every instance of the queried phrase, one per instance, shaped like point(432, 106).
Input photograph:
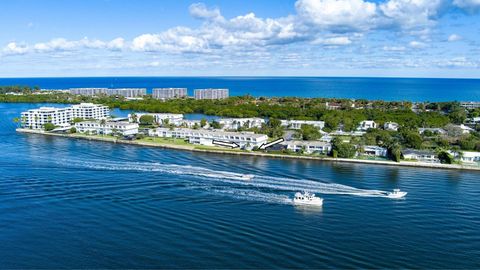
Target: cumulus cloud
point(409, 14)
point(417, 44)
point(337, 15)
point(468, 5)
point(13, 48)
point(454, 37)
point(333, 41)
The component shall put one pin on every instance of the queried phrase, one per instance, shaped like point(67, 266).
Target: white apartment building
point(169, 93)
point(245, 140)
point(308, 147)
point(88, 91)
point(126, 92)
point(173, 118)
point(236, 123)
point(211, 93)
point(95, 127)
point(366, 125)
point(90, 111)
point(190, 123)
point(37, 118)
point(297, 124)
point(62, 117)
point(470, 104)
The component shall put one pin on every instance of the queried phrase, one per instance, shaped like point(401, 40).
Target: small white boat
point(396, 194)
point(307, 198)
point(247, 176)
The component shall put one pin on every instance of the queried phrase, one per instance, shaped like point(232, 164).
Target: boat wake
point(246, 186)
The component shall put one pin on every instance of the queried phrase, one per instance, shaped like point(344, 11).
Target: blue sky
point(401, 38)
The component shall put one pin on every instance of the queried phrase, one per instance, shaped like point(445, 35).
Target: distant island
point(433, 133)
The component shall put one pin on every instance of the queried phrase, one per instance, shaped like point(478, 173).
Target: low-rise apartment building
point(297, 124)
point(246, 140)
point(169, 93)
point(308, 147)
point(96, 127)
point(392, 126)
point(237, 123)
point(471, 105)
point(211, 93)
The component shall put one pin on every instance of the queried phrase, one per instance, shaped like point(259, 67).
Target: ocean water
point(67, 203)
point(411, 89)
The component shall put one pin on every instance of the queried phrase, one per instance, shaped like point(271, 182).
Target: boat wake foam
point(259, 187)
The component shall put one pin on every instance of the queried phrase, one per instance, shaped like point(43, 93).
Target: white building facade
point(173, 118)
point(237, 123)
point(125, 92)
point(63, 117)
point(297, 124)
point(308, 147)
point(95, 127)
point(169, 93)
point(211, 93)
point(37, 118)
point(392, 126)
point(373, 150)
point(245, 140)
point(90, 111)
point(366, 125)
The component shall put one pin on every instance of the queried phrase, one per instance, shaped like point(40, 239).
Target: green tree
point(77, 120)
point(308, 132)
point(412, 139)
point(445, 157)
point(48, 127)
point(147, 119)
point(73, 130)
point(343, 149)
point(203, 122)
point(216, 125)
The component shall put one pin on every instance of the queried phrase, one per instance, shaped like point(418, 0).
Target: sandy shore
point(249, 153)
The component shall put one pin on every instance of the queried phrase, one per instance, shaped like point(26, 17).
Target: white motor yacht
point(247, 176)
point(307, 198)
point(396, 194)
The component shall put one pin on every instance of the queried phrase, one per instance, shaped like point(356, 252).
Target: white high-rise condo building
point(126, 92)
point(211, 93)
point(63, 117)
point(37, 118)
point(90, 111)
point(169, 93)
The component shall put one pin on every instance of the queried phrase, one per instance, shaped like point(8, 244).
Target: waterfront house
point(297, 124)
point(392, 126)
point(190, 123)
point(308, 147)
point(420, 155)
point(366, 125)
point(245, 140)
point(374, 150)
point(96, 127)
point(470, 105)
point(237, 123)
point(436, 131)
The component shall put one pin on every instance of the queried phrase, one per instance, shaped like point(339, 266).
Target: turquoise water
point(411, 89)
point(67, 203)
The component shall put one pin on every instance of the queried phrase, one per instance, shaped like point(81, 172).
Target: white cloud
point(468, 5)
point(417, 44)
point(337, 15)
point(410, 14)
point(394, 48)
point(333, 41)
point(454, 37)
point(200, 11)
point(13, 48)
